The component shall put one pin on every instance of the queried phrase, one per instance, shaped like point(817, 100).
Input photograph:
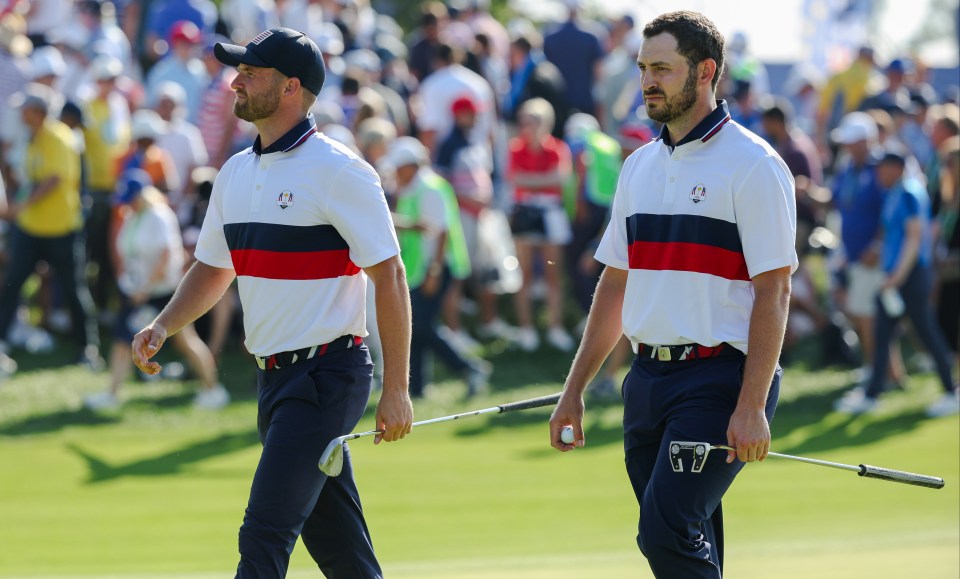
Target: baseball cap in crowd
point(288, 51)
point(185, 31)
point(854, 127)
point(329, 39)
point(389, 48)
point(171, 91)
point(362, 59)
point(130, 185)
point(105, 67)
point(896, 155)
point(33, 96)
point(147, 124)
point(899, 65)
point(464, 104)
point(46, 61)
point(406, 151)
point(579, 124)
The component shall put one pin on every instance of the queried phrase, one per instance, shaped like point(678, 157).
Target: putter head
point(331, 461)
point(700, 451)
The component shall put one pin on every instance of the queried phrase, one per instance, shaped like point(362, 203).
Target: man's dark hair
point(697, 37)
point(523, 44)
point(777, 109)
point(448, 53)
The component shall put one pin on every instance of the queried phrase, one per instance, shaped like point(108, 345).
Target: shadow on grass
point(169, 463)
point(46, 423)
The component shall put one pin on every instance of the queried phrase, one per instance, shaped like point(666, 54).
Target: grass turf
point(158, 489)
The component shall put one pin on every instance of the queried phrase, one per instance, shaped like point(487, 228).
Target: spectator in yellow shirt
point(843, 94)
point(46, 221)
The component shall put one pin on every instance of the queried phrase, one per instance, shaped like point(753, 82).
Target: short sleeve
point(564, 157)
point(911, 206)
point(614, 246)
point(432, 116)
point(766, 212)
point(433, 213)
point(212, 244)
point(358, 209)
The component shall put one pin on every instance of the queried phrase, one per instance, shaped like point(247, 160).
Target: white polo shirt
point(296, 222)
point(693, 224)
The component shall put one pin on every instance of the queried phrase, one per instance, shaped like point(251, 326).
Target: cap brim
point(233, 55)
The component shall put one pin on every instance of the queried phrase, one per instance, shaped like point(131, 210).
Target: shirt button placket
point(260, 179)
point(669, 190)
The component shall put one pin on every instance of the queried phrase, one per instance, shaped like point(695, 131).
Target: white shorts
point(471, 234)
point(864, 283)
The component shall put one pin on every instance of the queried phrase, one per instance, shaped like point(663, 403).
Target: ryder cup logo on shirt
point(698, 193)
point(285, 199)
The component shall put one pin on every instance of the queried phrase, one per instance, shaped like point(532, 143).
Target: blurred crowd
point(498, 144)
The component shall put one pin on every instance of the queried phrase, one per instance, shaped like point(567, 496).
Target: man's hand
point(394, 415)
point(431, 283)
point(749, 433)
point(145, 344)
point(569, 411)
point(871, 255)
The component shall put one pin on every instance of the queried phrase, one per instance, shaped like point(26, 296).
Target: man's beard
point(670, 109)
point(254, 108)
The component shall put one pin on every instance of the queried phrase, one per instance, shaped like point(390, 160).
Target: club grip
point(920, 480)
point(531, 403)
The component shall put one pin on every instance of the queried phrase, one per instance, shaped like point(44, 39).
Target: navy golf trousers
point(301, 408)
point(681, 524)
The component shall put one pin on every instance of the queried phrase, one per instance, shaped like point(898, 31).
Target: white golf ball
point(566, 435)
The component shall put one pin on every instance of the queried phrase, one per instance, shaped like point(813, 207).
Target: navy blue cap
point(130, 185)
point(286, 50)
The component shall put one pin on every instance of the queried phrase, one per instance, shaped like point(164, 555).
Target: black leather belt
point(284, 359)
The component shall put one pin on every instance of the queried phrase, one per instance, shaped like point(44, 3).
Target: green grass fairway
point(158, 489)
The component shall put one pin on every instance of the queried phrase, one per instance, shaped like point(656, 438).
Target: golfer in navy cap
point(300, 221)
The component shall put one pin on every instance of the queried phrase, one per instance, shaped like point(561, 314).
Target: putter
point(701, 450)
point(331, 461)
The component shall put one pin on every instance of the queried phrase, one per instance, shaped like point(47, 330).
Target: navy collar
point(290, 140)
point(705, 129)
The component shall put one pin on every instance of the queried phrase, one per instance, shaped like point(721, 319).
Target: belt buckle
point(663, 353)
point(261, 362)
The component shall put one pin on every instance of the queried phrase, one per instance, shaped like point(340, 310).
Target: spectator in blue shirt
point(859, 198)
point(163, 14)
point(578, 52)
point(906, 258)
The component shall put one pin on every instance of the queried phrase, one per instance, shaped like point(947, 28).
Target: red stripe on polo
point(695, 257)
point(293, 265)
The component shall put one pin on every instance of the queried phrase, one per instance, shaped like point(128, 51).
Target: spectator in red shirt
point(538, 166)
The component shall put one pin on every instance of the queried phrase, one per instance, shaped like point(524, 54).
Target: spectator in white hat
point(182, 142)
point(434, 252)
point(144, 154)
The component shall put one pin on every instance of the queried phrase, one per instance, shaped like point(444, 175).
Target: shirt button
point(258, 187)
point(672, 179)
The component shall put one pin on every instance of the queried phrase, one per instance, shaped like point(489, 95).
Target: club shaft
point(864, 470)
point(521, 405)
point(839, 465)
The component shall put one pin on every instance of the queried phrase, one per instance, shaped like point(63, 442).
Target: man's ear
point(707, 68)
point(291, 86)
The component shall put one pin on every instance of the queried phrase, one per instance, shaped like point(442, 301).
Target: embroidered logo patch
point(285, 199)
point(261, 37)
point(698, 193)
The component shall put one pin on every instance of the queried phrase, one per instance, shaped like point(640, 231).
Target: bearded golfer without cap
point(299, 220)
point(698, 254)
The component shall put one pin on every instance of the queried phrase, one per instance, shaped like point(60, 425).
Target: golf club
point(331, 461)
point(702, 449)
